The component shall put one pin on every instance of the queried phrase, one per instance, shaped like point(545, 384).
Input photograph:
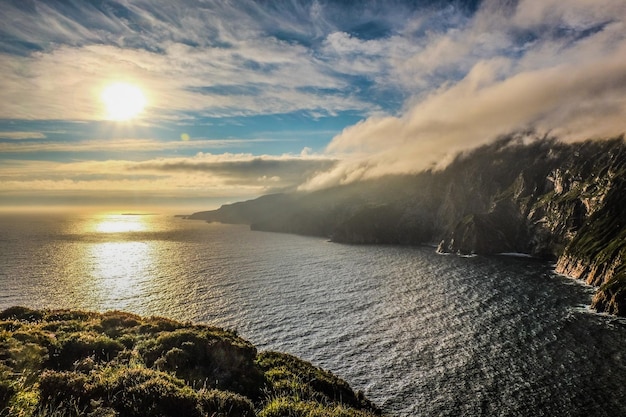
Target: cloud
point(210, 175)
point(126, 145)
point(286, 171)
point(67, 82)
point(569, 80)
point(429, 79)
point(265, 59)
point(211, 58)
point(22, 135)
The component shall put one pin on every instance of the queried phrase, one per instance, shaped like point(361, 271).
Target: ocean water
point(421, 334)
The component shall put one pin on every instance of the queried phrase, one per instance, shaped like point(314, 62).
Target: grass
point(66, 363)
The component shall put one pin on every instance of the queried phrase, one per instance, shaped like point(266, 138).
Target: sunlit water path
point(419, 333)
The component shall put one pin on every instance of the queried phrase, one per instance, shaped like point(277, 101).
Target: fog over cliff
point(538, 196)
point(543, 66)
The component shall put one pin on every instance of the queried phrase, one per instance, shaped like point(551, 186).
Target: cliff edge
point(78, 363)
point(543, 197)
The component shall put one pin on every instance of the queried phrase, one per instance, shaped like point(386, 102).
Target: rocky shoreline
point(547, 199)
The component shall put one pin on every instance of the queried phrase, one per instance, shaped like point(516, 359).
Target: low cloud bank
point(209, 175)
point(568, 79)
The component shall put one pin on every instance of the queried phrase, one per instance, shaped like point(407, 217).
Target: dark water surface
point(420, 333)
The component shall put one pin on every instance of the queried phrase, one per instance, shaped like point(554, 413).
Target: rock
point(546, 198)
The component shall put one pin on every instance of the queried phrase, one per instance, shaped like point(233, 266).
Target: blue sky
point(246, 98)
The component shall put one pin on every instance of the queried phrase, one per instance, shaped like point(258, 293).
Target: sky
point(245, 98)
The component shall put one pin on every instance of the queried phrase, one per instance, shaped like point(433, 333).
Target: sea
point(421, 334)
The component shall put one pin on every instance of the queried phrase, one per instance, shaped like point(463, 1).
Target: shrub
point(287, 407)
point(289, 376)
point(10, 325)
point(27, 358)
point(57, 388)
point(21, 314)
point(110, 365)
point(131, 392)
point(286, 372)
point(69, 315)
point(7, 390)
point(70, 326)
point(23, 403)
point(82, 345)
point(199, 355)
point(116, 323)
point(225, 404)
point(147, 393)
point(156, 324)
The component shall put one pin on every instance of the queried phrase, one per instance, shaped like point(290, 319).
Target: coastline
point(118, 363)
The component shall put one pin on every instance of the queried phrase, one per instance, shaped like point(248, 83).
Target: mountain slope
point(545, 198)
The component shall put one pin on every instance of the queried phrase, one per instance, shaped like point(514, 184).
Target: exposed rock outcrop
point(545, 198)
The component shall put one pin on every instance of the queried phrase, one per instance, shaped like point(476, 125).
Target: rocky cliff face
point(568, 202)
point(597, 252)
point(547, 199)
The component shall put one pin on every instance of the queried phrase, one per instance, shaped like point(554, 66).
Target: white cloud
point(573, 85)
point(175, 52)
point(573, 13)
point(22, 135)
point(211, 175)
point(125, 145)
point(67, 82)
point(550, 65)
point(174, 49)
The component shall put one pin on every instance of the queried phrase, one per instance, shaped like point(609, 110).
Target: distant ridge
point(546, 199)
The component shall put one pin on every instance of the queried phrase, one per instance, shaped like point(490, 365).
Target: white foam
point(515, 254)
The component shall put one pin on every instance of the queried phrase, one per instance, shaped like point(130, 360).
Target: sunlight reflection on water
point(107, 261)
point(120, 272)
point(119, 223)
point(421, 334)
point(138, 263)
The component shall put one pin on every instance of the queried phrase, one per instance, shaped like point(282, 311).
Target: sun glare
point(120, 224)
point(123, 101)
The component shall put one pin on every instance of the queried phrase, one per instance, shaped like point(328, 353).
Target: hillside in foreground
point(545, 198)
point(62, 363)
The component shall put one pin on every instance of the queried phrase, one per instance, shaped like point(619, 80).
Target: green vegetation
point(63, 363)
point(542, 197)
point(601, 244)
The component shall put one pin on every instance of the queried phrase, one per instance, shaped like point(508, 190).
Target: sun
point(123, 101)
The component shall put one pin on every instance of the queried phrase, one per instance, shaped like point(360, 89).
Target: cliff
point(77, 363)
point(545, 198)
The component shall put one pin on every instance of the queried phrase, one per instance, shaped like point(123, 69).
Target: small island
point(78, 363)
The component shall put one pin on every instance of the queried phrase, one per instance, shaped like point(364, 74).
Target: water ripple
point(421, 334)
